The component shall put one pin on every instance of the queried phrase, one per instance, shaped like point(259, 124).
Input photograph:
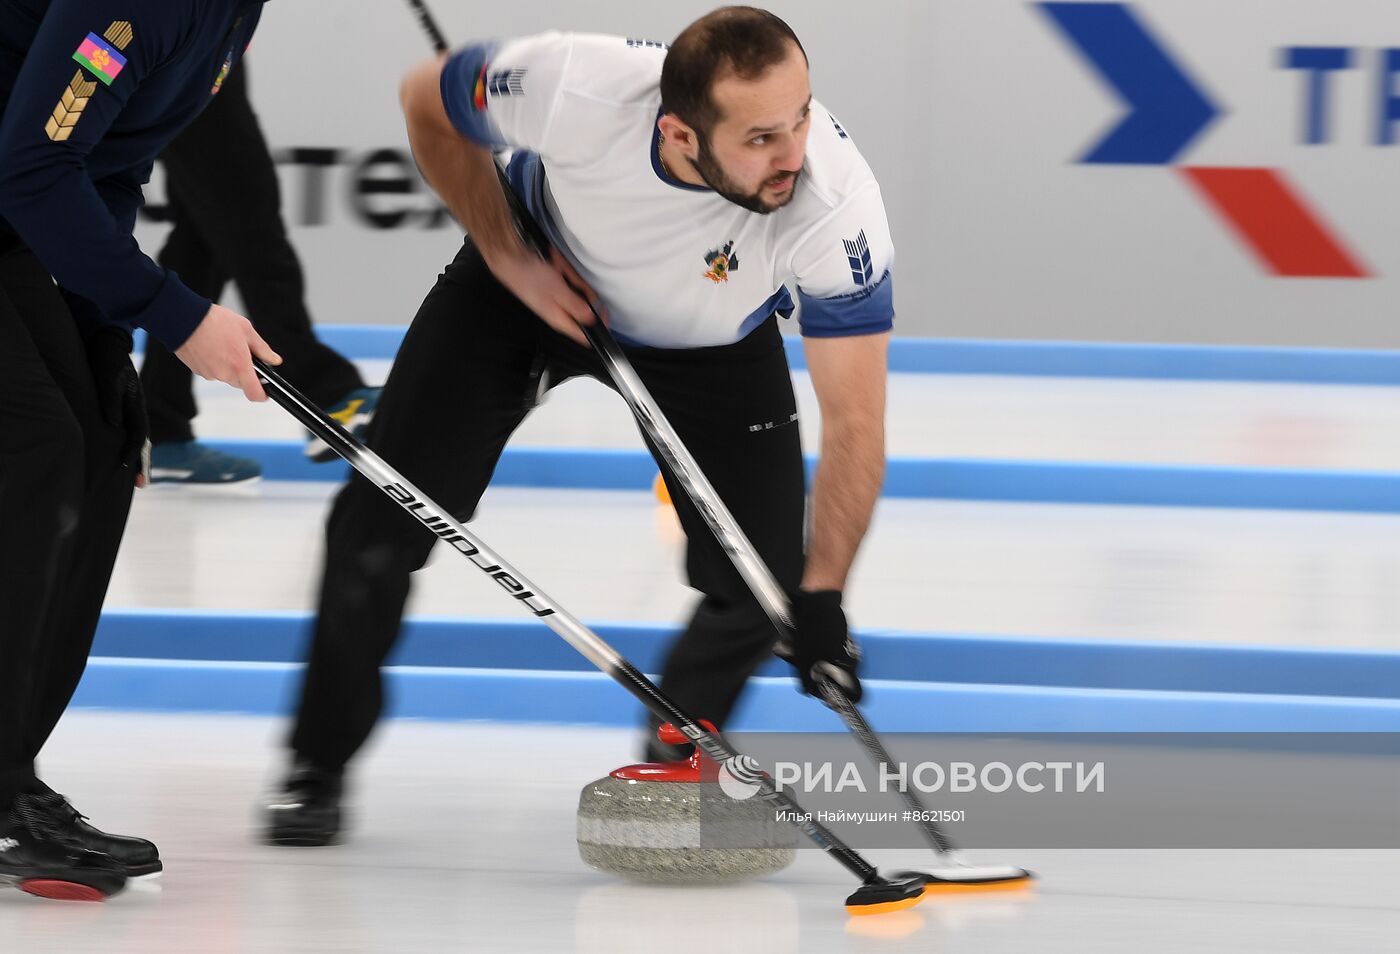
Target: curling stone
point(674, 823)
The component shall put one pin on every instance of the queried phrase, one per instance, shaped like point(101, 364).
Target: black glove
point(822, 647)
point(119, 391)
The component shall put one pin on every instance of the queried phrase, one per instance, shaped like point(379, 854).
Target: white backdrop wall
point(976, 116)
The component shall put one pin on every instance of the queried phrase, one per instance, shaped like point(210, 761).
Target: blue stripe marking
point(281, 637)
point(1145, 485)
point(1151, 485)
point(1146, 361)
point(1075, 359)
point(519, 466)
point(769, 705)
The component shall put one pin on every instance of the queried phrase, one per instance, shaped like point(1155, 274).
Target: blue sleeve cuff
point(173, 314)
point(463, 87)
point(868, 311)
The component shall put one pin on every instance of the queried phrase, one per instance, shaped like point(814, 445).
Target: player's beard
point(716, 178)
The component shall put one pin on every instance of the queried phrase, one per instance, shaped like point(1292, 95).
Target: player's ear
point(676, 131)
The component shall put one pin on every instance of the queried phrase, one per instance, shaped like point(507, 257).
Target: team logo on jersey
point(223, 75)
point(722, 261)
point(99, 56)
point(509, 82)
point(228, 64)
point(858, 257)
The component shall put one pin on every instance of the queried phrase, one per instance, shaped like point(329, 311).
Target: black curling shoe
point(38, 858)
point(305, 812)
point(138, 857)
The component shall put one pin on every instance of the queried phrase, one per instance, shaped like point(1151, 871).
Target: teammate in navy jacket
point(90, 92)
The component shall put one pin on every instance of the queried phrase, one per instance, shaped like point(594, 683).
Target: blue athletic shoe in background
point(193, 463)
point(353, 412)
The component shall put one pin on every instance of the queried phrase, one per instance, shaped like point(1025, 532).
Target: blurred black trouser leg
point(453, 397)
point(456, 392)
point(734, 410)
point(166, 381)
point(227, 209)
point(64, 498)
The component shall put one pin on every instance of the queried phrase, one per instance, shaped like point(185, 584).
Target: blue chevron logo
point(1167, 109)
point(858, 257)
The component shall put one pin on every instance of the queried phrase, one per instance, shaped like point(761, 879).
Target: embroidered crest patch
point(722, 261)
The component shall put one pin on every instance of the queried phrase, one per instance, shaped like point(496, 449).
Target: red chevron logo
point(1167, 111)
point(1268, 216)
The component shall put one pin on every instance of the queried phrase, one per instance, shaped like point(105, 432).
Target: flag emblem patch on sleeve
point(100, 57)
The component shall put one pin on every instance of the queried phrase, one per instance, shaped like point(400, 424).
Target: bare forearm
point(460, 171)
point(848, 375)
point(464, 174)
point(847, 484)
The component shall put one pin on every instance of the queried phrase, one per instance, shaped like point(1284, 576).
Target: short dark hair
point(744, 41)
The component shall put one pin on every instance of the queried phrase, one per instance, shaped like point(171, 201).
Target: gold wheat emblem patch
point(70, 108)
point(74, 100)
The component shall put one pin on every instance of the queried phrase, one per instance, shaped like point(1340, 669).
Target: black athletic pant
point(64, 498)
point(457, 391)
point(227, 213)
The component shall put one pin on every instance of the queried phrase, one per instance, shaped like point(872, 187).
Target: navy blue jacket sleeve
point(46, 194)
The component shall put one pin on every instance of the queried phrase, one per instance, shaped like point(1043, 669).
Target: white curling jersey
point(676, 265)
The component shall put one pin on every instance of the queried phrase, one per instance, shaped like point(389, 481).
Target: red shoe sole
point(62, 891)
